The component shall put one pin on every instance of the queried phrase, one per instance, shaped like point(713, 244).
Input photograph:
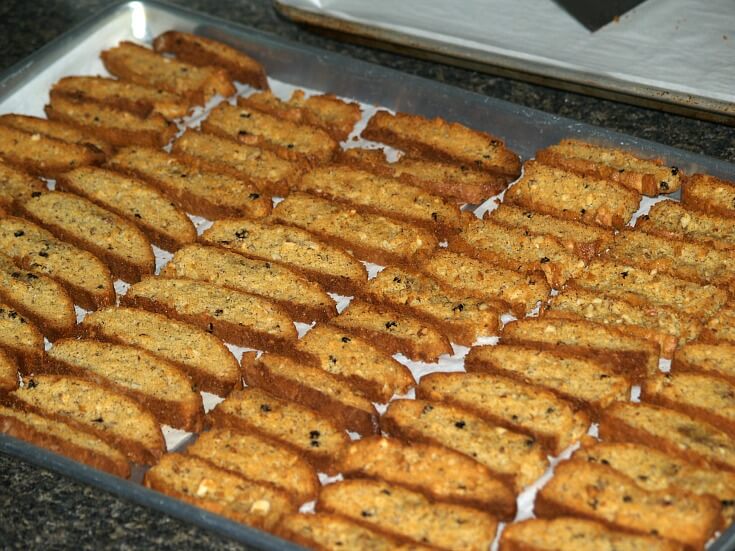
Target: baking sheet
point(25, 87)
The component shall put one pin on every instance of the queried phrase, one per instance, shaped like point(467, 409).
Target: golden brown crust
point(8, 370)
point(709, 194)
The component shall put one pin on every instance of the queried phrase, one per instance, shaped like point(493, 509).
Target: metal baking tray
point(24, 88)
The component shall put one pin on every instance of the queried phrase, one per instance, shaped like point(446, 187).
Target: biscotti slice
point(460, 183)
point(647, 176)
point(16, 185)
point(584, 380)
point(669, 431)
point(160, 386)
point(581, 239)
point(55, 129)
point(42, 155)
point(200, 483)
point(114, 126)
point(305, 300)
point(654, 470)
point(202, 52)
point(270, 173)
point(379, 195)
point(709, 194)
point(291, 141)
point(521, 291)
point(626, 354)
point(127, 96)
point(312, 435)
point(716, 359)
point(203, 192)
point(721, 327)
point(517, 406)
point(238, 318)
point(259, 460)
point(442, 140)
point(64, 439)
point(111, 415)
point(314, 388)
point(333, 267)
point(568, 195)
point(85, 277)
point(204, 357)
point(20, 339)
point(672, 219)
point(711, 399)
point(460, 317)
point(659, 324)
point(576, 534)
point(640, 286)
point(114, 240)
point(408, 515)
point(393, 331)
point(599, 492)
point(514, 457)
point(8, 368)
point(140, 65)
point(517, 250)
point(371, 237)
point(367, 367)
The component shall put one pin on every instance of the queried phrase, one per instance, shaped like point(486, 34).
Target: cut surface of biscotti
point(409, 515)
point(312, 435)
point(203, 192)
point(628, 355)
point(270, 173)
point(64, 439)
point(127, 96)
point(672, 219)
point(660, 324)
point(371, 237)
point(111, 238)
point(17, 185)
point(716, 359)
point(709, 194)
point(304, 300)
point(140, 65)
point(259, 460)
point(584, 380)
point(393, 331)
point(291, 141)
point(204, 357)
point(517, 250)
point(237, 317)
point(654, 470)
point(55, 129)
point(333, 267)
point(163, 223)
point(20, 339)
point(200, 483)
point(646, 176)
point(367, 367)
point(114, 126)
point(438, 472)
point(520, 407)
point(568, 195)
point(514, 457)
point(314, 388)
point(442, 140)
point(8, 367)
point(201, 51)
point(576, 534)
point(42, 155)
point(460, 317)
point(85, 277)
point(721, 326)
point(521, 291)
point(37, 297)
point(458, 182)
point(160, 386)
point(599, 492)
point(669, 431)
point(111, 415)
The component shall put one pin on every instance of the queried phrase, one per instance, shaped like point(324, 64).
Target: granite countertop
point(40, 509)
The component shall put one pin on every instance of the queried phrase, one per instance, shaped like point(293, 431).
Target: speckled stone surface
point(42, 510)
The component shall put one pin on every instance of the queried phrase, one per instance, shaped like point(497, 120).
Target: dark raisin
point(642, 477)
point(728, 502)
point(434, 216)
point(314, 443)
point(241, 234)
point(243, 133)
point(36, 194)
point(19, 233)
point(366, 514)
point(13, 314)
point(495, 142)
point(664, 185)
point(218, 312)
point(544, 260)
point(550, 410)
point(390, 324)
point(137, 215)
point(514, 417)
point(528, 215)
point(459, 424)
point(290, 146)
point(32, 383)
point(458, 308)
point(254, 196)
point(245, 115)
point(98, 420)
point(385, 491)
point(621, 170)
point(604, 462)
point(346, 339)
point(427, 408)
point(183, 174)
point(96, 119)
point(593, 504)
point(268, 265)
point(624, 274)
point(31, 277)
point(210, 328)
point(486, 156)
point(654, 532)
point(314, 434)
point(530, 442)
point(627, 499)
point(582, 211)
point(332, 360)
point(674, 170)
point(265, 408)
point(43, 254)
point(396, 279)
point(15, 275)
